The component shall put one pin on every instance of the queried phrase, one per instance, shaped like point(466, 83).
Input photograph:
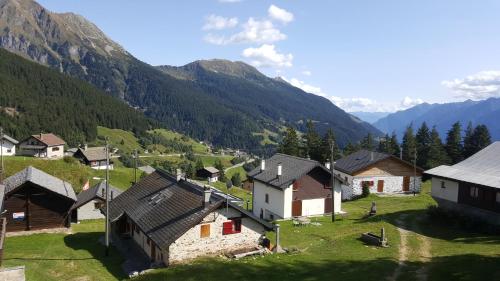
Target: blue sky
point(364, 55)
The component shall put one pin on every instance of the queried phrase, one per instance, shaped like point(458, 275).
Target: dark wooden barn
point(36, 200)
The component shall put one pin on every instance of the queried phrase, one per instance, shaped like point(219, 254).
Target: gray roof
point(147, 169)
point(482, 168)
point(95, 192)
point(41, 179)
point(10, 139)
point(362, 159)
point(93, 153)
point(2, 196)
point(211, 170)
point(293, 168)
point(163, 208)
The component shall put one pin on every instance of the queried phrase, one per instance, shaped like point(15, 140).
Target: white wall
point(450, 192)
point(288, 202)
point(313, 207)
point(276, 203)
point(392, 184)
point(8, 148)
point(89, 212)
point(55, 151)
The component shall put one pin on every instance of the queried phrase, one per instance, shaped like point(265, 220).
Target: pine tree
point(384, 144)
point(368, 142)
point(312, 142)
point(409, 144)
point(395, 146)
point(454, 146)
point(437, 153)
point(423, 142)
point(482, 137)
point(290, 144)
point(350, 149)
point(236, 180)
point(325, 147)
point(469, 146)
point(218, 165)
point(199, 164)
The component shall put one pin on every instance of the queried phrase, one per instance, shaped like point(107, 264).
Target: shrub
point(365, 191)
point(69, 159)
point(236, 180)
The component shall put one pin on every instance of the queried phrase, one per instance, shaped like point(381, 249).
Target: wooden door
point(328, 205)
point(297, 208)
point(406, 184)
point(380, 186)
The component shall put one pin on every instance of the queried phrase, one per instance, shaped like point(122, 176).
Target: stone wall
point(191, 245)
point(391, 185)
point(89, 211)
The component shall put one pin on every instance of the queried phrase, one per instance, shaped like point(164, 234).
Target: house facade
point(35, 200)
point(43, 146)
point(286, 186)
point(8, 145)
point(90, 202)
point(210, 173)
point(94, 157)
point(174, 221)
point(382, 173)
point(472, 186)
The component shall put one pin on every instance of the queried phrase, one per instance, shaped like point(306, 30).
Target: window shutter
point(227, 228)
point(205, 230)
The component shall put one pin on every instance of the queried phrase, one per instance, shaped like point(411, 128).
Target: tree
point(290, 144)
point(423, 142)
point(437, 153)
point(328, 138)
point(368, 142)
point(469, 147)
point(312, 142)
point(477, 140)
point(199, 164)
point(395, 147)
point(409, 144)
point(218, 165)
point(454, 147)
point(350, 149)
point(236, 179)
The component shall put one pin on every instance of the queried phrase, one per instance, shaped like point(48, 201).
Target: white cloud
point(482, 85)
point(214, 22)
point(304, 86)
point(267, 56)
point(279, 14)
point(307, 73)
point(254, 31)
point(370, 105)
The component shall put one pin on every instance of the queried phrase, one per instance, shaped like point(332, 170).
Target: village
point(291, 207)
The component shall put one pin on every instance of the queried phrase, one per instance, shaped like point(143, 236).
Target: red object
point(231, 227)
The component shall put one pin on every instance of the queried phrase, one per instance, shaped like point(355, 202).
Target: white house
point(382, 173)
point(472, 186)
point(43, 146)
point(286, 186)
point(174, 221)
point(8, 145)
point(89, 202)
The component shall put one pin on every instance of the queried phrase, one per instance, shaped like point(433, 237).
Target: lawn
point(266, 134)
point(231, 172)
point(209, 161)
point(331, 251)
point(125, 141)
point(170, 135)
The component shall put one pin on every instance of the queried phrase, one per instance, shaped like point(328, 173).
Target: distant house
point(147, 169)
point(382, 173)
point(173, 220)
point(287, 186)
point(43, 146)
point(471, 186)
point(210, 173)
point(8, 145)
point(95, 157)
point(89, 202)
point(36, 200)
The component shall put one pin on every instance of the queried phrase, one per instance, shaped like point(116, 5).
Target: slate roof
point(147, 169)
point(2, 196)
point(293, 168)
point(482, 168)
point(49, 139)
point(211, 170)
point(93, 153)
point(362, 159)
point(95, 192)
point(10, 139)
point(163, 208)
point(41, 179)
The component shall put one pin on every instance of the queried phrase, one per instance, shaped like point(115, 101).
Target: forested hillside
point(34, 98)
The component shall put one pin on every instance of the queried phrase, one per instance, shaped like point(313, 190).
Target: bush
point(236, 180)
point(250, 166)
point(70, 159)
point(365, 191)
point(237, 160)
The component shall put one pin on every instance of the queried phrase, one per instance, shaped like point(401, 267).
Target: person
point(373, 209)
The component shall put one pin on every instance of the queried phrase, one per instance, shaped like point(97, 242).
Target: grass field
point(265, 137)
point(209, 160)
point(240, 170)
point(170, 135)
point(331, 251)
point(125, 141)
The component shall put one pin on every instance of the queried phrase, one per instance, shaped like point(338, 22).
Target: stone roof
point(482, 168)
point(211, 170)
point(10, 139)
point(147, 169)
point(362, 159)
point(293, 168)
point(95, 192)
point(49, 139)
point(41, 179)
point(94, 153)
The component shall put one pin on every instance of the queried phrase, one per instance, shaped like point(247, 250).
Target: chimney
point(178, 174)
point(327, 165)
point(371, 156)
point(207, 191)
point(280, 169)
point(262, 165)
point(85, 146)
point(40, 136)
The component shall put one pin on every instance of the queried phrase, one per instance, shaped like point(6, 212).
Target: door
point(380, 186)
point(328, 205)
point(406, 184)
point(297, 208)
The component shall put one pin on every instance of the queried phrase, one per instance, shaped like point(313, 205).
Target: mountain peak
point(232, 68)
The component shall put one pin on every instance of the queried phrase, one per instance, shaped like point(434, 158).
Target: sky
point(372, 56)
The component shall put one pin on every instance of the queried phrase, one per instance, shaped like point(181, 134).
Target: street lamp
point(332, 178)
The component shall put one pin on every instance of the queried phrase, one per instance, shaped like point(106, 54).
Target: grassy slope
point(265, 137)
point(115, 137)
point(170, 135)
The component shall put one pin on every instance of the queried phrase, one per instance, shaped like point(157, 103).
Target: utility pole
point(415, 170)
point(135, 166)
point(106, 238)
point(1, 155)
point(332, 178)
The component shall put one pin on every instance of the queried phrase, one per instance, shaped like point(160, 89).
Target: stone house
point(174, 221)
point(43, 146)
point(89, 202)
point(8, 145)
point(382, 173)
point(472, 186)
point(287, 186)
point(94, 157)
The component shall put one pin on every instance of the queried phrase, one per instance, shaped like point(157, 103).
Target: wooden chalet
point(210, 173)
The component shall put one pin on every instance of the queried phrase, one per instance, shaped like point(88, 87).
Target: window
point(474, 191)
point(267, 198)
point(443, 185)
point(204, 230)
point(367, 183)
point(498, 197)
point(9, 150)
point(97, 205)
point(231, 227)
point(55, 148)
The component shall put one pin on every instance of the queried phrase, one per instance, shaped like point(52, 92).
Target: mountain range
point(442, 116)
point(370, 117)
point(220, 101)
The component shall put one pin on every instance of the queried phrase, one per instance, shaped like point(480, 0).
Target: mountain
point(222, 102)
point(370, 117)
point(34, 99)
point(444, 115)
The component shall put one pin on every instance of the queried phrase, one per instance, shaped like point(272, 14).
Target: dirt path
point(424, 250)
